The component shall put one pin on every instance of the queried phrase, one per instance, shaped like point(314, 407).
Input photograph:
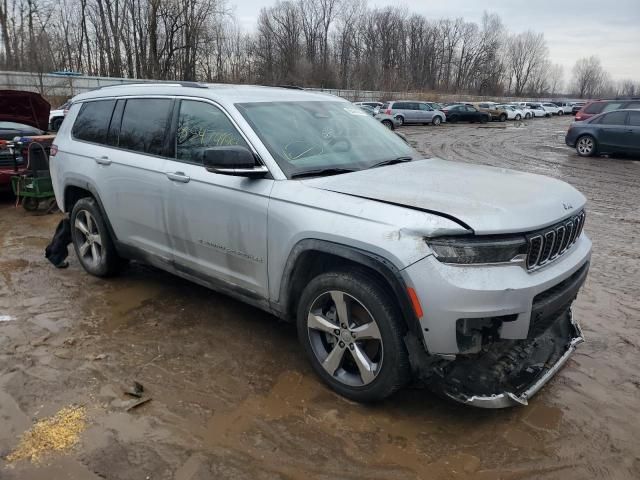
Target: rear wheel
point(527, 116)
point(586, 146)
point(503, 117)
point(453, 119)
point(30, 204)
point(518, 117)
point(561, 112)
point(388, 124)
point(352, 334)
point(91, 239)
point(400, 118)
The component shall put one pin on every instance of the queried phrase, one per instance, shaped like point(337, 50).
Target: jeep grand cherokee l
point(393, 267)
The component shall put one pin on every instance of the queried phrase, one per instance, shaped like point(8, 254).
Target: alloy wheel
point(90, 250)
point(585, 146)
point(345, 338)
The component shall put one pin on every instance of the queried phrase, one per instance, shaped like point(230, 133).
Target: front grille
point(550, 243)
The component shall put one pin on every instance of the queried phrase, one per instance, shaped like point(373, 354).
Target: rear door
point(612, 131)
point(633, 131)
point(218, 223)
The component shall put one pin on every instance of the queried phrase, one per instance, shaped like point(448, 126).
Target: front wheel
point(560, 113)
point(484, 120)
point(527, 116)
point(518, 117)
point(400, 119)
point(453, 119)
point(388, 124)
point(503, 117)
point(91, 239)
point(586, 146)
point(352, 333)
point(436, 120)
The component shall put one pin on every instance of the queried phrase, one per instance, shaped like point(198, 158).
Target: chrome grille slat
point(552, 242)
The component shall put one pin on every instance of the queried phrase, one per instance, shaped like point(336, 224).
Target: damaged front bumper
point(524, 390)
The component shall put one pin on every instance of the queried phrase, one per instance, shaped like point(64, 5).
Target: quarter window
point(634, 119)
point(93, 120)
point(201, 126)
point(144, 125)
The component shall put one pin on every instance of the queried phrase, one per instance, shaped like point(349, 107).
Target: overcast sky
point(572, 28)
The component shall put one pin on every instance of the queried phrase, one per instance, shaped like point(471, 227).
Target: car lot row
point(402, 112)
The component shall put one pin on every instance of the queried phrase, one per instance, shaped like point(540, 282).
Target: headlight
point(478, 249)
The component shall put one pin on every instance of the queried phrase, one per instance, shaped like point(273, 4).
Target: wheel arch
point(310, 257)
point(74, 190)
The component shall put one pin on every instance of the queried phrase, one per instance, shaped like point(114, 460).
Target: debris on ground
point(57, 433)
point(137, 403)
point(135, 389)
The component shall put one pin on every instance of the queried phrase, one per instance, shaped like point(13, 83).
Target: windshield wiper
point(393, 161)
point(322, 172)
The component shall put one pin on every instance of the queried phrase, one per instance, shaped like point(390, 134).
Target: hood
point(24, 107)
point(486, 199)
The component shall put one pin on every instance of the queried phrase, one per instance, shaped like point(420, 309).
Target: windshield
point(312, 136)
point(15, 126)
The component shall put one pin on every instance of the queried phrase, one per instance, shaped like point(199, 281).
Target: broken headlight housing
point(478, 250)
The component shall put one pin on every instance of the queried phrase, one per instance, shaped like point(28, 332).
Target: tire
point(503, 117)
point(484, 119)
point(437, 120)
point(586, 146)
point(453, 119)
point(388, 124)
point(518, 117)
point(30, 204)
point(56, 123)
point(331, 347)
point(92, 241)
point(400, 119)
point(547, 115)
point(560, 113)
point(527, 116)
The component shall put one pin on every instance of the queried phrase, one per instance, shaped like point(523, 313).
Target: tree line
point(313, 43)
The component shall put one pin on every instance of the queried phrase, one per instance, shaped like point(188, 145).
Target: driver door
point(217, 222)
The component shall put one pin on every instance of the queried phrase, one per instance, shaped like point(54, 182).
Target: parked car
point(617, 131)
point(524, 108)
point(565, 106)
point(553, 108)
point(493, 110)
point(577, 106)
point(413, 112)
point(512, 112)
point(327, 219)
point(21, 114)
point(387, 120)
point(538, 110)
point(465, 113)
point(602, 106)
point(57, 116)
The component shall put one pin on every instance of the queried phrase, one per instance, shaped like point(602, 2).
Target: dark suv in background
point(596, 107)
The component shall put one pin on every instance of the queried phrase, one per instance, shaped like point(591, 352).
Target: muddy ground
point(233, 397)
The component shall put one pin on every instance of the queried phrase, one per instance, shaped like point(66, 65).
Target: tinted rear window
point(635, 105)
point(93, 121)
point(614, 118)
point(594, 108)
point(144, 125)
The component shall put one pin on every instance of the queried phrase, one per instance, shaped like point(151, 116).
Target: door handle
point(104, 160)
point(178, 177)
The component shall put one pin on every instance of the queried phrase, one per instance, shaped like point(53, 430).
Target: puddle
point(6, 318)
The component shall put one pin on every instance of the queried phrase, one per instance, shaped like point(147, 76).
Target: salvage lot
point(233, 396)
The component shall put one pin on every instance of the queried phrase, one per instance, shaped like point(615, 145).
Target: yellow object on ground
point(56, 433)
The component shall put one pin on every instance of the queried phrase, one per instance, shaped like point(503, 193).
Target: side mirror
point(233, 160)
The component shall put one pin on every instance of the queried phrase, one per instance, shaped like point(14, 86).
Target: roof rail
point(155, 84)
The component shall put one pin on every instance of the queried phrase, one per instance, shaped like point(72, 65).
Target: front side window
point(201, 126)
point(634, 119)
point(144, 125)
point(424, 106)
point(92, 122)
point(307, 136)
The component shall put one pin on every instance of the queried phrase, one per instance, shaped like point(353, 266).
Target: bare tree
point(589, 77)
point(525, 54)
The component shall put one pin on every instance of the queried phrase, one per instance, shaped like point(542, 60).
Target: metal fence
point(56, 87)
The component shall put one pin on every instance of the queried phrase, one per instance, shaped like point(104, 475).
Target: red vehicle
point(596, 107)
point(22, 114)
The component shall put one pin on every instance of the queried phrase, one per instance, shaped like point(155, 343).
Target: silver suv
point(395, 268)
